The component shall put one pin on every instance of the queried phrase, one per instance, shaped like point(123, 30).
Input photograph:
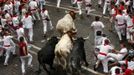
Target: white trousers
point(44, 26)
point(35, 14)
point(17, 10)
point(120, 31)
point(42, 3)
point(115, 56)
point(79, 4)
point(8, 51)
point(129, 34)
point(23, 61)
point(88, 8)
point(13, 47)
point(106, 6)
point(47, 24)
point(104, 62)
point(58, 3)
point(117, 2)
point(29, 33)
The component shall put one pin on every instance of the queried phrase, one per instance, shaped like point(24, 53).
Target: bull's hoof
point(37, 72)
point(95, 68)
point(86, 64)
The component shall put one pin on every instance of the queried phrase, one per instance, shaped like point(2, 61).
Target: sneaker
point(30, 66)
point(14, 55)
point(5, 64)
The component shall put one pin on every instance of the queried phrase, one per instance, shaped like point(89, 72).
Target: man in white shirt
point(79, 5)
point(119, 55)
point(102, 56)
point(130, 65)
point(34, 9)
point(28, 24)
point(88, 7)
point(7, 45)
point(16, 6)
point(115, 70)
point(3, 20)
point(58, 3)
point(20, 33)
point(46, 20)
point(97, 25)
point(129, 22)
point(106, 6)
point(120, 25)
point(15, 21)
point(6, 7)
point(42, 3)
point(10, 4)
point(8, 17)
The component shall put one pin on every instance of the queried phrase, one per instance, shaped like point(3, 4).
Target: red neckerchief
point(14, 16)
point(116, 11)
point(133, 19)
point(122, 7)
point(26, 15)
point(105, 44)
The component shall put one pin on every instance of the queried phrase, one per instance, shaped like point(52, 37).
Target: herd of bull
point(66, 52)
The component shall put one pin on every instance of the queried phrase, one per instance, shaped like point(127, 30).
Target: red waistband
point(103, 53)
point(33, 9)
point(6, 45)
point(121, 24)
point(129, 26)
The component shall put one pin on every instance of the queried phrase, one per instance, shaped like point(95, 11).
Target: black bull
point(46, 54)
point(78, 56)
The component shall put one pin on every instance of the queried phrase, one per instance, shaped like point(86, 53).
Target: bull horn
point(86, 38)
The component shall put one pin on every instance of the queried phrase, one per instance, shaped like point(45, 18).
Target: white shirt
point(97, 25)
point(128, 20)
point(130, 64)
point(105, 48)
point(10, 6)
point(33, 5)
point(98, 40)
point(113, 11)
point(7, 16)
point(112, 70)
point(27, 22)
point(88, 1)
point(102, 41)
point(3, 22)
point(15, 21)
point(17, 4)
point(7, 39)
point(120, 19)
point(44, 14)
point(6, 7)
point(20, 32)
point(122, 53)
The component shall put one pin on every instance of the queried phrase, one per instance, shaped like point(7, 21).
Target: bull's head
point(54, 39)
